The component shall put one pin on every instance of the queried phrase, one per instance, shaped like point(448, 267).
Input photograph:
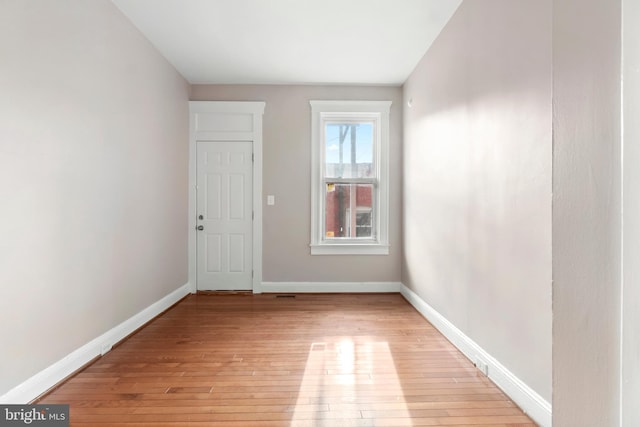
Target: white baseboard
point(530, 401)
point(49, 377)
point(330, 287)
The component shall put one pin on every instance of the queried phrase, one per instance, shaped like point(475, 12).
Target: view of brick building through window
point(343, 210)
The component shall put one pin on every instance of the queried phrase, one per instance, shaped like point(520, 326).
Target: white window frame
point(377, 112)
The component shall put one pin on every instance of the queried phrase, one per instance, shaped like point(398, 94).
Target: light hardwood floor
point(268, 360)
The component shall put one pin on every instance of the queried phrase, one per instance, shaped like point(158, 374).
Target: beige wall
point(586, 212)
point(477, 181)
point(93, 178)
point(287, 157)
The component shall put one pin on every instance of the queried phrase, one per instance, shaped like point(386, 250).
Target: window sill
point(350, 249)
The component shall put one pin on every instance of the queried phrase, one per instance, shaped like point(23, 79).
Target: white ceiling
point(291, 41)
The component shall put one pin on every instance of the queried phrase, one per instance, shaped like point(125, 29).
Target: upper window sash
point(337, 133)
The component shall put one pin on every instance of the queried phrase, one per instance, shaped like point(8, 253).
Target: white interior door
point(224, 208)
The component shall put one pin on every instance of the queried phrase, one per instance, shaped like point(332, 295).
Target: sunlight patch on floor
point(342, 377)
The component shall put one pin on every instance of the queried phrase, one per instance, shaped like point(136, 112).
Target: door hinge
point(253, 157)
point(253, 215)
point(252, 274)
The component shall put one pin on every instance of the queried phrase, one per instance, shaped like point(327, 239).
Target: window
point(349, 194)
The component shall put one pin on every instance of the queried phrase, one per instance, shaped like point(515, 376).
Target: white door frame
point(226, 121)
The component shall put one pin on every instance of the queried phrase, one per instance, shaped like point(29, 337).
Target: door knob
point(200, 227)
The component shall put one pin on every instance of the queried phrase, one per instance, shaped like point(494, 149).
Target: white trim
point(350, 249)
point(49, 377)
point(191, 214)
point(530, 401)
point(330, 287)
point(256, 109)
point(378, 113)
point(351, 106)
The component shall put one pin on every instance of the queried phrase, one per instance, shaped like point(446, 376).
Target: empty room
point(319, 213)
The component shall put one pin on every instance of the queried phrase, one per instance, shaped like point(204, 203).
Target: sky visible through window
point(364, 143)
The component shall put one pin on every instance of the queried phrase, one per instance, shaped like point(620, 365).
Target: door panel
point(213, 191)
point(237, 187)
point(224, 200)
point(214, 251)
point(236, 253)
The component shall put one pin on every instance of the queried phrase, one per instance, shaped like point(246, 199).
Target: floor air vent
point(285, 296)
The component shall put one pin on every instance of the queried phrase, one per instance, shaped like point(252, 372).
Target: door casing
point(226, 121)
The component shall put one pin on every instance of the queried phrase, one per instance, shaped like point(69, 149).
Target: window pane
point(349, 150)
point(348, 211)
point(363, 222)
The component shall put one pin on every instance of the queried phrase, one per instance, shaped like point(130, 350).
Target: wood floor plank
point(313, 360)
